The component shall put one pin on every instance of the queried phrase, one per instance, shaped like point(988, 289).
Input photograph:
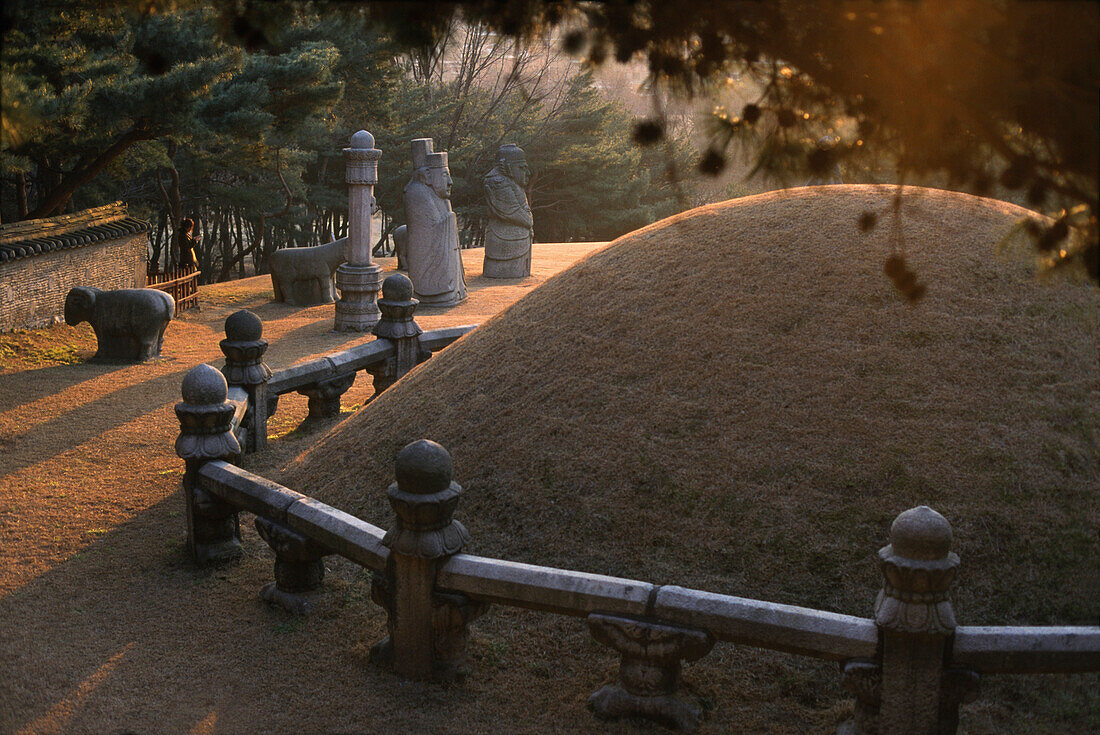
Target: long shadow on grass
point(83, 423)
point(58, 435)
point(127, 635)
point(26, 386)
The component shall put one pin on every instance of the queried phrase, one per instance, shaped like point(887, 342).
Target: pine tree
point(97, 81)
point(590, 182)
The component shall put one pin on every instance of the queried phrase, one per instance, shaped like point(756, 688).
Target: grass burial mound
point(737, 399)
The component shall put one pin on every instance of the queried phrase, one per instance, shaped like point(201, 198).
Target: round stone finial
point(243, 326)
point(362, 140)
point(423, 468)
point(204, 386)
point(397, 287)
point(921, 534)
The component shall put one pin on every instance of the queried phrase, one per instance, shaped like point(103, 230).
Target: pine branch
point(60, 196)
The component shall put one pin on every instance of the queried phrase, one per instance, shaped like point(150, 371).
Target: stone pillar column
point(244, 348)
point(205, 416)
point(427, 630)
point(649, 672)
point(397, 325)
point(916, 621)
point(359, 279)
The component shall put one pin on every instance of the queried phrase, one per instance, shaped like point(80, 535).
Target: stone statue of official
point(433, 256)
point(510, 232)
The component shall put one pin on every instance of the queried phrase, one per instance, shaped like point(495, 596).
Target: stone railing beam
point(333, 529)
point(787, 628)
point(771, 625)
point(1030, 650)
point(436, 339)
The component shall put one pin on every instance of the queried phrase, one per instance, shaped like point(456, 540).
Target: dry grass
point(735, 399)
point(58, 345)
point(106, 627)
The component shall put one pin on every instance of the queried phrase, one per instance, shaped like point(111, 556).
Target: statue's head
point(513, 163)
point(439, 176)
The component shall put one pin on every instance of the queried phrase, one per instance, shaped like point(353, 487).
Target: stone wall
point(44, 259)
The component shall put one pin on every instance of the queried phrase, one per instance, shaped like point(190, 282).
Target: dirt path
point(106, 627)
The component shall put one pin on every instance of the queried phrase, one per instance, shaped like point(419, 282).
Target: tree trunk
point(154, 260)
point(21, 194)
point(241, 250)
point(173, 200)
point(226, 243)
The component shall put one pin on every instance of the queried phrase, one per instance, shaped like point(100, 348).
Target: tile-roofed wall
point(35, 237)
point(41, 260)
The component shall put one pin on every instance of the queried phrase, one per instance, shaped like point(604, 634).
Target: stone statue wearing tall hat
point(510, 232)
point(432, 253)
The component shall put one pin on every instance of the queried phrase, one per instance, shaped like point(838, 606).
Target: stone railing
point(909, 667)
point(401, 346)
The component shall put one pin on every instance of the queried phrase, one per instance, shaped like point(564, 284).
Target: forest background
point(235, 113)
point(245, 137)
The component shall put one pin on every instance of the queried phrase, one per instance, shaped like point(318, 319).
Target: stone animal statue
point(401, 247)
point(303, 276)
point(129, 323)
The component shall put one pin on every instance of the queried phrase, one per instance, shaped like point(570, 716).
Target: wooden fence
point(181, 283)
point(909, 668)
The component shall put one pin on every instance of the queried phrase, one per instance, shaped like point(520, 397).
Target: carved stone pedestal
point(356, 311)
point(324, 396)
point(299, 568)
point(649, 672)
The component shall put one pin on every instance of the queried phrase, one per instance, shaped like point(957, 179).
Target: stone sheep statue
point(129, 323)
point(303, 276)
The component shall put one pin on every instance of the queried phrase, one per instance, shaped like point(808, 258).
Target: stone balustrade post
point(244, 348)
point(299, 567)
point(205, 416)
point(910, 690)
point(649, 671)
point(358, 278)
point(397, 325)
point(427, 629)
